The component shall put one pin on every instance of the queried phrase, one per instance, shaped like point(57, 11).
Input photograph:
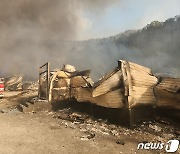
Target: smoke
point(50, 19)
point(33, 32)
point(156, 46)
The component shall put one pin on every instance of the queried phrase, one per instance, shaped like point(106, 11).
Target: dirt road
point(27, 134)
point(46, 132)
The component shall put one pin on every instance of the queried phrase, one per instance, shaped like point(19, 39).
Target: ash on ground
point(89, 128)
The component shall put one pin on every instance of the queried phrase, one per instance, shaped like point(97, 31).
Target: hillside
point(157, 46)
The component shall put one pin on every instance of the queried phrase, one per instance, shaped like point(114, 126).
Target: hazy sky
point(33, 31)
point(122, 15)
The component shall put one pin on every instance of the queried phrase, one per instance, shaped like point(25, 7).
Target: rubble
point(87, 137)
point(30, 85)
point(92, 129)
point(130, 87)
point(13, 83)
point(156, 128)
point(68, 118)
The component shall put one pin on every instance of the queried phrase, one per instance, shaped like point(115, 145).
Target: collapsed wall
point(127, 86)
point(130, 87)
point(107, 92)
point(138, 84)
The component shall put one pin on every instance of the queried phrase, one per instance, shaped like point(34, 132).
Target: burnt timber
point(129, 87)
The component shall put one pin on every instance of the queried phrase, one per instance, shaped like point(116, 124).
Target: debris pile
point(64, 82)
point(30, 85)
point(13, 83)
point(162, 129)
point(129, 86)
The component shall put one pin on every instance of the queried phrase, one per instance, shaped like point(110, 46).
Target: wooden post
point(47, 81)
point(41, 72)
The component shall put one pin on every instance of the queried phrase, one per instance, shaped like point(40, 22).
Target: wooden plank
point(111, 83)
point(129, 78)
point(143, 88)
point(143, 84)
point(170, 82)
point(143, 93)
point(147, 77)
point(125, 79)
point(171, 79)
point(143, 101)
point(151, 97)
point(107, 76)
point(141, 73)
point(140, 68)
point(113, 99)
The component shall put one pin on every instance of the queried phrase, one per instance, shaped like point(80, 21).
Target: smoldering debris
point(17, 83)
point(14, 83)
point(160, 129)
point(92, 127)
point(29, 85)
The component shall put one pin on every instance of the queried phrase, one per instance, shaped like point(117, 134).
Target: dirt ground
point(30, 126)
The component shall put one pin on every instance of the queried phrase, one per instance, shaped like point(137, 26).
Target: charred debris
point(128, 94)
point(16, 83)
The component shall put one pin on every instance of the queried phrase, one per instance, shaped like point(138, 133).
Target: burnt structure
point(130, 88)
